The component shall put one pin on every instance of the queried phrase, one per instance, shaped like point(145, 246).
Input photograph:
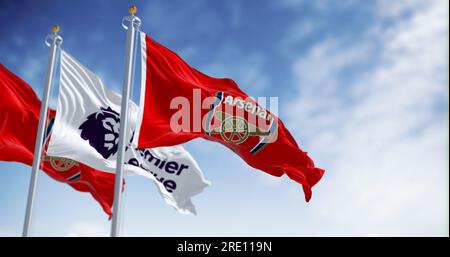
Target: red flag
point(230, 117)
point(19, 117)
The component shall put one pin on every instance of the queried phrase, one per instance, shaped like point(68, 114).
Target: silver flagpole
point(54, 41)
point(134, 24)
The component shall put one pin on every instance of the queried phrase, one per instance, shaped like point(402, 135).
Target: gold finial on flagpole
point(55, 29)
point(132, 10)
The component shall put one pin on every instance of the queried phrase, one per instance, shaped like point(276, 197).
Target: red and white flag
point(179, 103)
point(19, 118)
point(87, 127)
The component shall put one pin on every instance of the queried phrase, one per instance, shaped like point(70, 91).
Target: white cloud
point(318, 5)
point(33, 68)
point(169, 21)
point(374, 113)
point(395, 9)
point(85, 228)
point(298, 31)
point(247, 72)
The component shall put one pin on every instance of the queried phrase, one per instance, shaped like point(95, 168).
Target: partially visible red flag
point(19, 117)
point(231, 117)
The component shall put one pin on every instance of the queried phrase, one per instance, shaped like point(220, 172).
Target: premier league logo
point(101, 129)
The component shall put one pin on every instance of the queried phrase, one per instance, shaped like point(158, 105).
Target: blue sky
point(362, 86)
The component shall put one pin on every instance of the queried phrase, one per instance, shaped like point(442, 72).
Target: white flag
point(86, 129)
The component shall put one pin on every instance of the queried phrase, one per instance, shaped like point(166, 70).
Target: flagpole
point(54, 44)
point(134, 24)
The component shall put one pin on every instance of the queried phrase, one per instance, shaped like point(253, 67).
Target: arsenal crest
point(236, 128)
